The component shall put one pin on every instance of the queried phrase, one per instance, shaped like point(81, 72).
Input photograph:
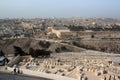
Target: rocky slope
point(7, 46)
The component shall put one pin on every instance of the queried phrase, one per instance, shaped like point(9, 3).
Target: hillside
point(7, 46)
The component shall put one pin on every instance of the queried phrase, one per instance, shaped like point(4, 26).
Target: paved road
point(7, 76)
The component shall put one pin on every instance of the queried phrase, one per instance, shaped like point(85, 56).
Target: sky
point(59, 8)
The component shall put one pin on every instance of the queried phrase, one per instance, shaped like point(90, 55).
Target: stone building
point(61, 32)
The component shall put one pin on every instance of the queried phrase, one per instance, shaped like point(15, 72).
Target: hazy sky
point(59, 8)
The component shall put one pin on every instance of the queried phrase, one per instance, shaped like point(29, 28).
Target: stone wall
point(42, 74)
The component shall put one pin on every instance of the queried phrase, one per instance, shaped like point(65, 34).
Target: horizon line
point(59, 18)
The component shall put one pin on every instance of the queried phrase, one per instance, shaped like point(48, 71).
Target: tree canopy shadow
point(39, 53)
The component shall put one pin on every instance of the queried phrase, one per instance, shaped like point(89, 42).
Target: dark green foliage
point(18, 51)
point(44, 44)
point(76, 28)
point(76, 44)
point(32, 52)
point(2, 53)
point(63, 48)
point(39, 53)
point(96, 27)
point(47, 44)
point(112, 27)
point(58, 50)
point(92, 36)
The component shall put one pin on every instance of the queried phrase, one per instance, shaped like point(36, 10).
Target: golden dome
point(94, 22)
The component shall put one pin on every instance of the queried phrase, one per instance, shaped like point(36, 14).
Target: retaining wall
point(42, 74)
